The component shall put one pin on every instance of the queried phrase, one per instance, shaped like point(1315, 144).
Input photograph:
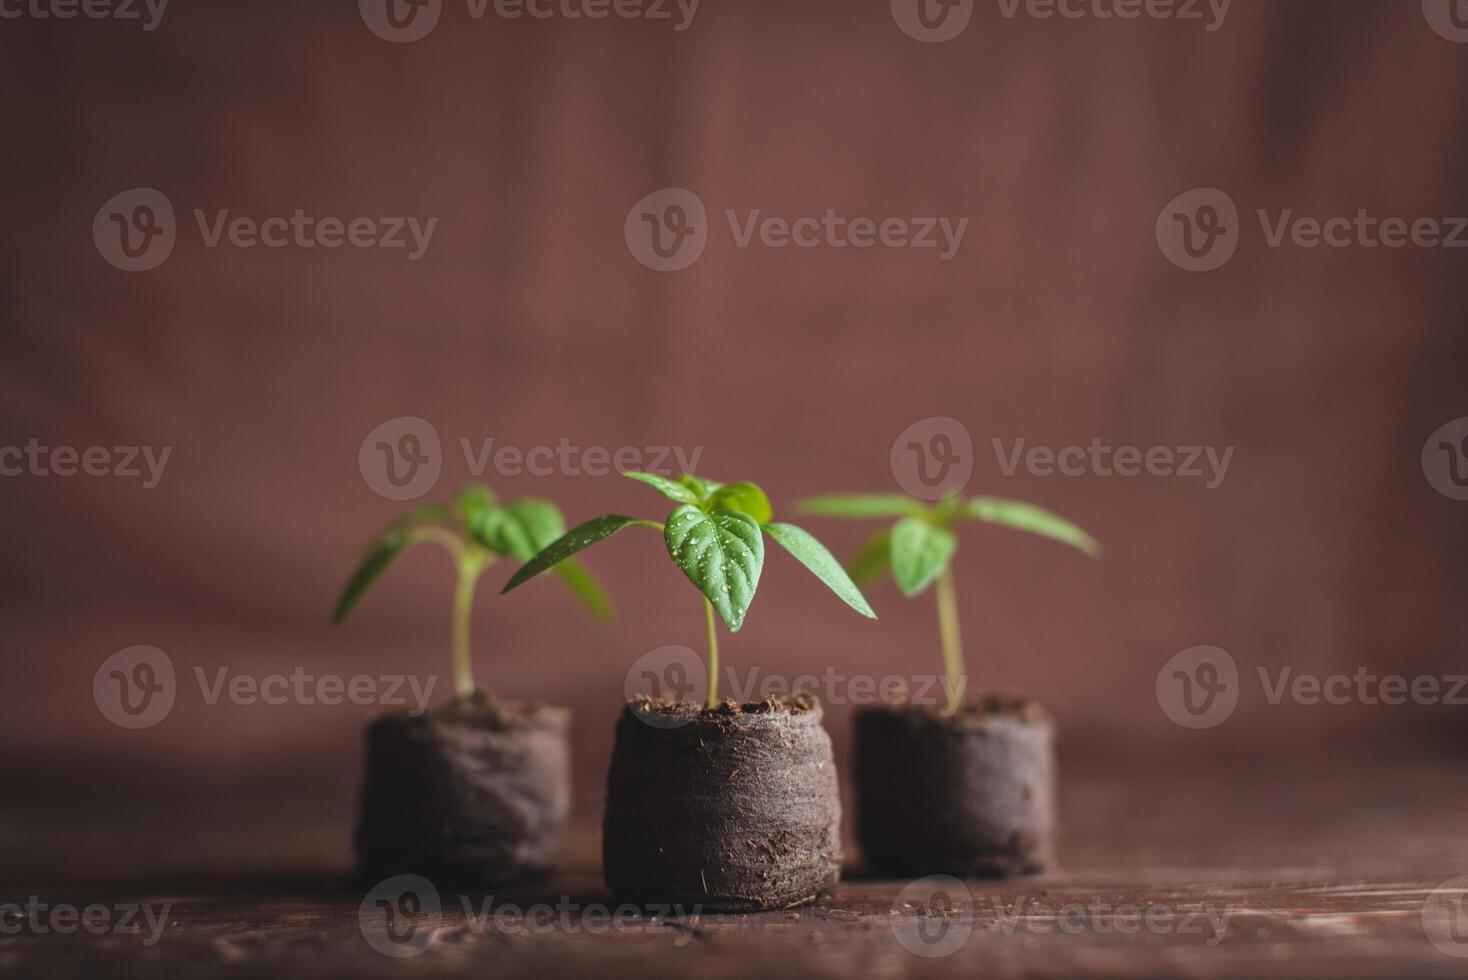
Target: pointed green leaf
point(1027, 517)
point(814, 556)
point(671, 489)
point(859, 506)
point(703, 488)
point(519, 530)
point(746, 498)
point(475, 499)
point(383, 551)
point(919, 552)
point(721, 553)
point(578, 578)
point(577, 539)
point(874, 558)
point(541, 521)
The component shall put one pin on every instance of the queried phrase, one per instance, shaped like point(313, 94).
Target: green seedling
point(716, 535)
point(476, 531)
point(918, 550)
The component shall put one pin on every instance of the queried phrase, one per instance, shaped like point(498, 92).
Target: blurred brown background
point(529, 321)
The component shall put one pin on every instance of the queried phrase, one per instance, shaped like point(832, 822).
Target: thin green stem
point(708, 616)
point(952, 644)
point(471, 564)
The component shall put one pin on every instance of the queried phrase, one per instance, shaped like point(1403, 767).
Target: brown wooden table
point(1226, 871)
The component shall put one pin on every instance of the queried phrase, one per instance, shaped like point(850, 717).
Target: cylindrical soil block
point(734, 808)
point(971, 794)
point(474, 793)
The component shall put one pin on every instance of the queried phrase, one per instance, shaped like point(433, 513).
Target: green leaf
point(671, 489)
point(859, 506)
point(874, 558)
point(814, 556)
point(383, 551)
point(703, 488)
point(578, 578)
point(577, 539)
point(1021, 516)
point(746, 498)
point(519, 530)
point(920, 551)
point(475, 500)
point(540, 520)
point(721, 553)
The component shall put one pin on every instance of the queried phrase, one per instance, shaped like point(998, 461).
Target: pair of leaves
point(921, 544)
point(518, 530)
point(716, 537)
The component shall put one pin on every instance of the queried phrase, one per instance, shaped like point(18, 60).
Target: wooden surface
point(1319, 870)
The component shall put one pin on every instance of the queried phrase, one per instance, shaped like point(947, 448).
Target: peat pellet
point(473, 793)
point(734, 808)
point(971, 794)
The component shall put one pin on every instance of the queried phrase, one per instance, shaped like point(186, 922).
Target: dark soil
point(971, 794)
point(734, 808)
point(475, 792)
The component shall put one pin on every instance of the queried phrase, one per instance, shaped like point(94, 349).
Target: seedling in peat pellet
point(476, 531)
point(918, 550)
point(716, 536)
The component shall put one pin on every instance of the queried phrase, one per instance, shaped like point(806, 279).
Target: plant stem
point(470, 564)
point(952, 645)
point(708, 616)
